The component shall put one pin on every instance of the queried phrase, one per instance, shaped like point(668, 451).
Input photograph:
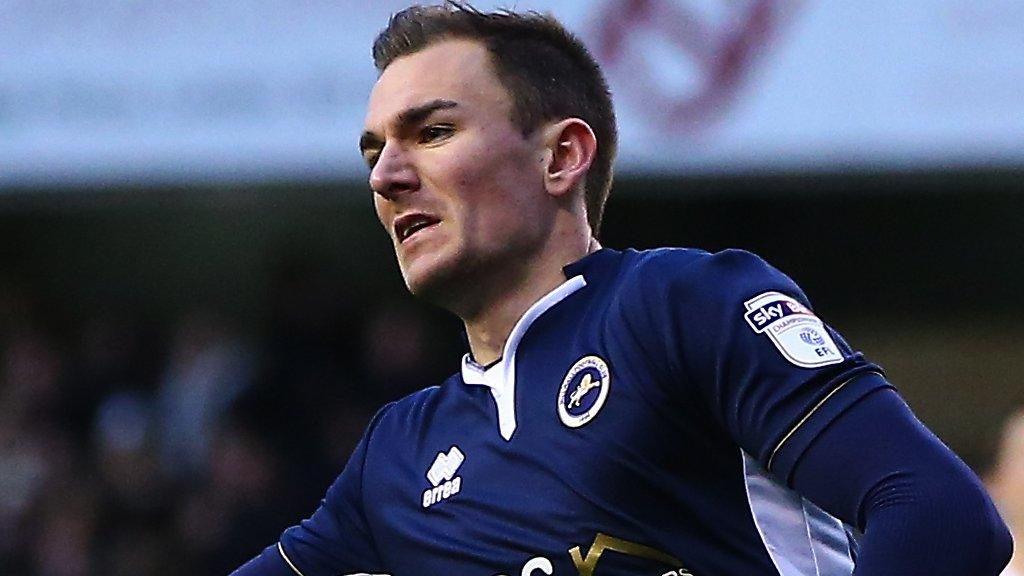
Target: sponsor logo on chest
point(441, 475)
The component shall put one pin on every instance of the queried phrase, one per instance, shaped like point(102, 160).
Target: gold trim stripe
point(288, 560)
point(807, 416)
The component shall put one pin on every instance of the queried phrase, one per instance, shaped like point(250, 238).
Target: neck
point(496, 314)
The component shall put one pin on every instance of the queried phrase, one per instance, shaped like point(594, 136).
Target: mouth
point(406, 226)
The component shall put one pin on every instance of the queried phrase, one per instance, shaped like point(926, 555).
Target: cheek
point(494, 186)
point(506, 214)
point(500, 174)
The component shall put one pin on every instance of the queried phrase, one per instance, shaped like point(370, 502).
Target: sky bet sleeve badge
point(798, 334)
point(583, 391)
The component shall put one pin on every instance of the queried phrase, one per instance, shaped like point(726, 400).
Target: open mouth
point(410, 224)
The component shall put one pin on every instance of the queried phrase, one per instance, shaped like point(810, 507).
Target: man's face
point(456, 185)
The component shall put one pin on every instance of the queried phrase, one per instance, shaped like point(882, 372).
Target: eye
point(435, 132)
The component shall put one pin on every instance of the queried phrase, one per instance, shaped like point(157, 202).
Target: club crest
point(583, 391)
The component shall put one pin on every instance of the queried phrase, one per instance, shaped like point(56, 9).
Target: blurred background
point(199, 313)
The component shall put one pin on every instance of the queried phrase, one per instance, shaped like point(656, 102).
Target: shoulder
point(689, 273)
point(409, 414)
point(693, 265)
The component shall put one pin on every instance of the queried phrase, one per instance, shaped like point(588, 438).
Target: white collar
point(500, 377)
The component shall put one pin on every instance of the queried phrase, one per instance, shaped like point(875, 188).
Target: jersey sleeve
point(745, 342)
point(922, 511)
point(336, 539)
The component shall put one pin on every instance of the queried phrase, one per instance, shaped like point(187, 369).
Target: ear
point(571, 147)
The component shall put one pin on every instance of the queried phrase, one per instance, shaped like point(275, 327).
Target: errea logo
point(442, 477)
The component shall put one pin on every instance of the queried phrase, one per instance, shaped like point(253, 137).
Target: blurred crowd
point(132, 446)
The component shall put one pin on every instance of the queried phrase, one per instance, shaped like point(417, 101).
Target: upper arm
point(746, 343)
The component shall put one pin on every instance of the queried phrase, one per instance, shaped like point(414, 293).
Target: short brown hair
point(547, 71)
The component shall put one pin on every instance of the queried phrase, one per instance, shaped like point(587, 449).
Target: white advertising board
point(111, 92)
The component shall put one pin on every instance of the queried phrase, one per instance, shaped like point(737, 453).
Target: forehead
point(457, 70)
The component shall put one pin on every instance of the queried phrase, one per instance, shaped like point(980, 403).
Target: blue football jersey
point(644, 419)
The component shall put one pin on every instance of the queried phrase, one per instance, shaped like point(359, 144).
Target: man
point(670, 412)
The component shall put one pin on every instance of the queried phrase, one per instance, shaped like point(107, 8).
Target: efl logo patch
point(798, 334)
point(583, 391)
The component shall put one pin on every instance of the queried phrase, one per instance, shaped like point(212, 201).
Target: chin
point(433, 279)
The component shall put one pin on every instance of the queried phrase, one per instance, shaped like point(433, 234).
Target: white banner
point(99, 92)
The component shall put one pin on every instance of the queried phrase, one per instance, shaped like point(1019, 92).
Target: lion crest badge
point(584, 391)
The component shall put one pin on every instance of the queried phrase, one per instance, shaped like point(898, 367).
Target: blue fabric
point(738, 376)
point(660, 410)
point(921, 509)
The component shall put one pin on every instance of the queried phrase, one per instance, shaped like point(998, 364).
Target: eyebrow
point(406, 118)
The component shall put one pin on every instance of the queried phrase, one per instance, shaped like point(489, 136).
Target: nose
point(393, 174)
